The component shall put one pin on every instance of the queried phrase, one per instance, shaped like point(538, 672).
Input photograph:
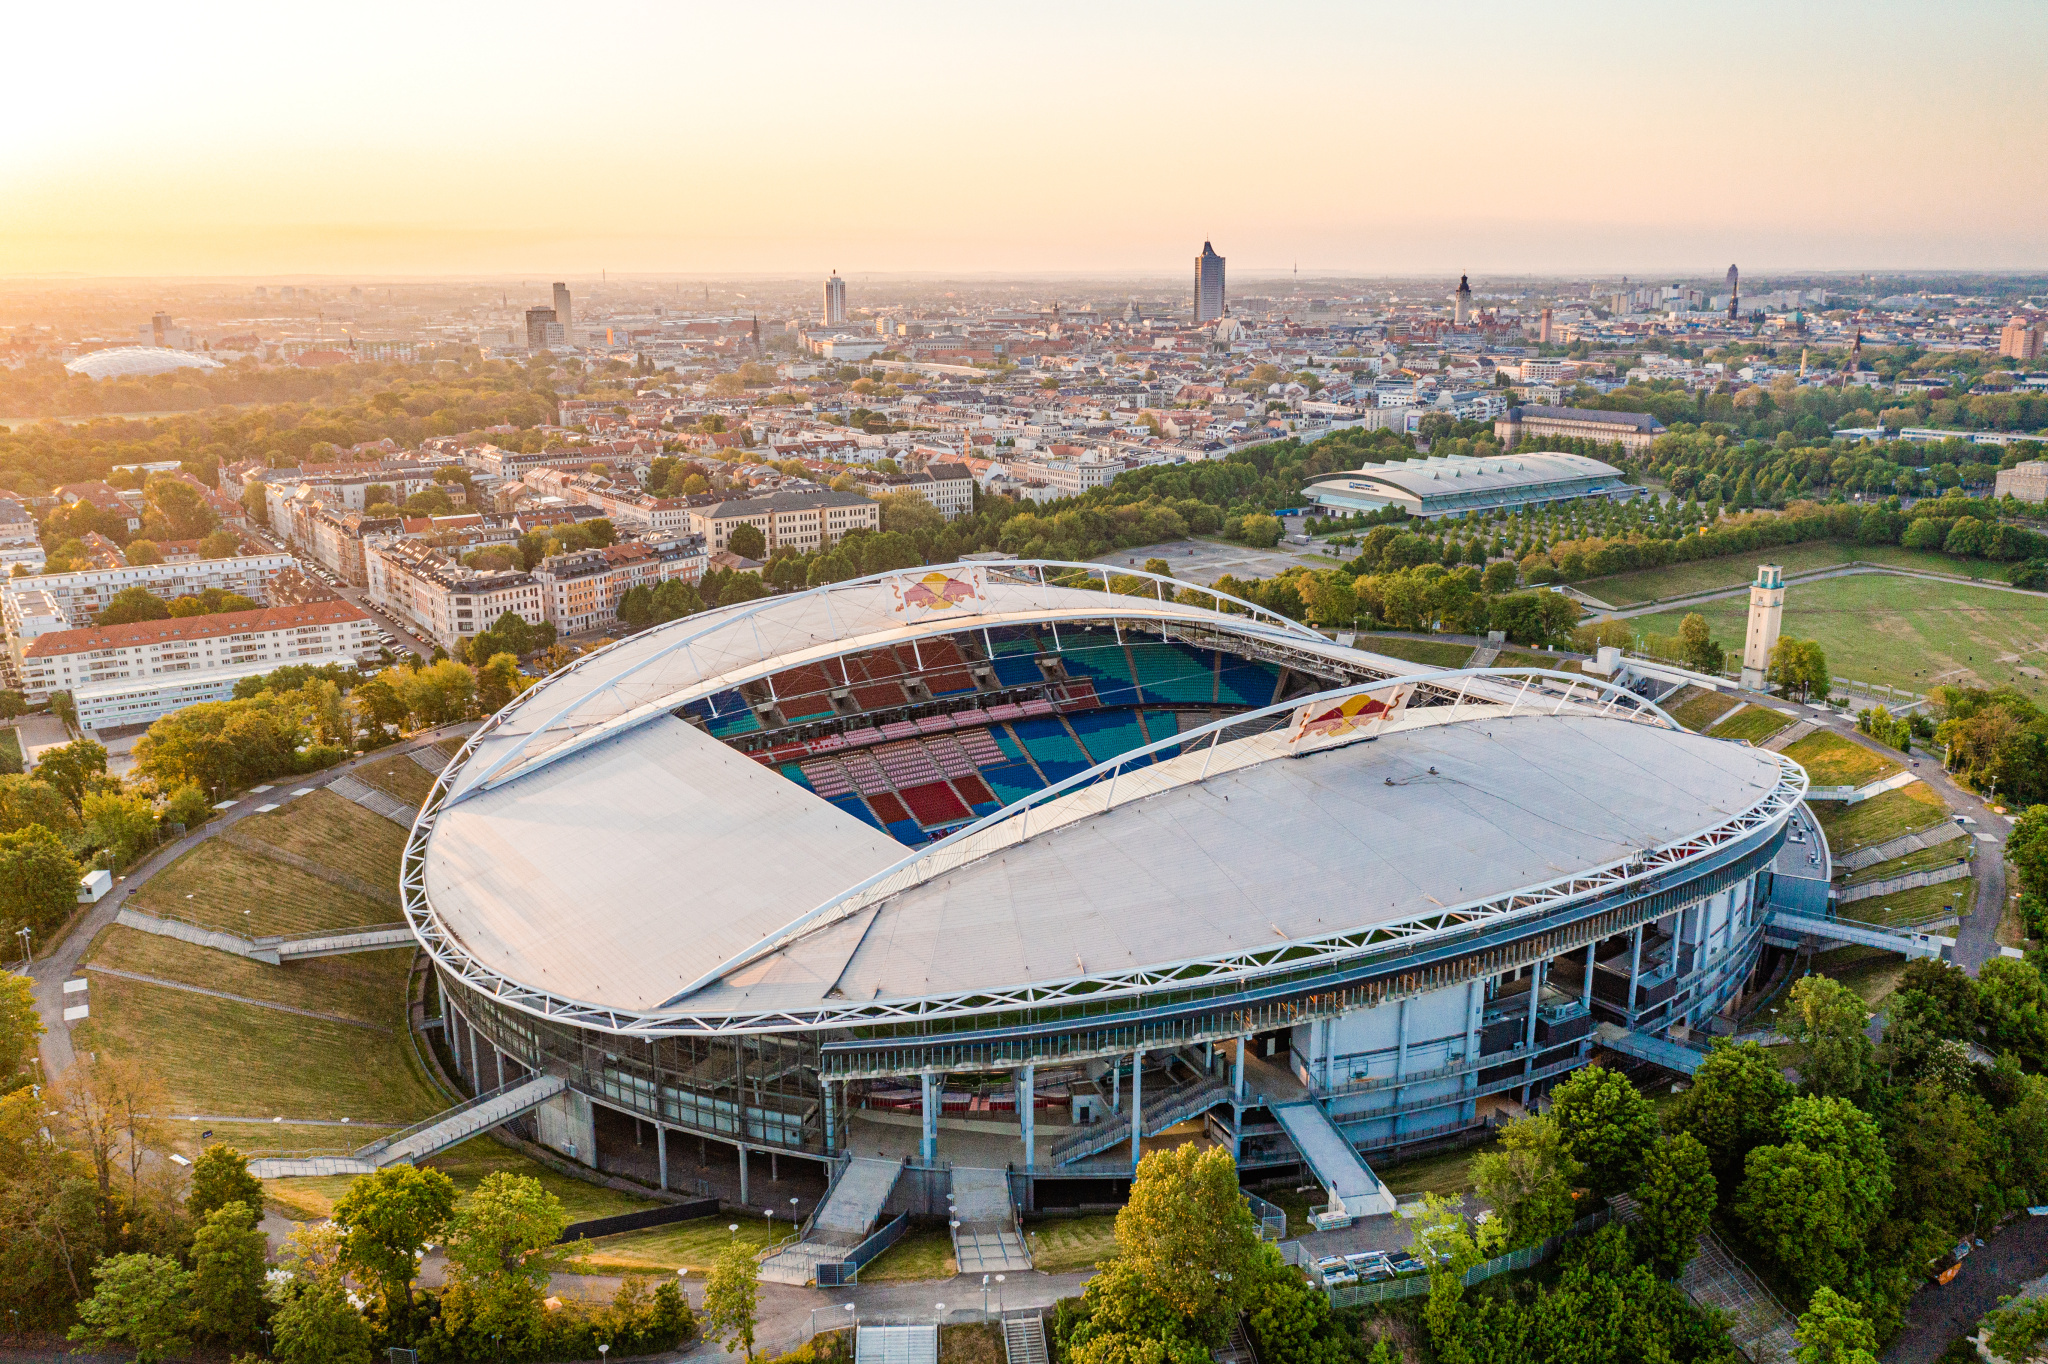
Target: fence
point(1272, 1220)
point(1415, 1285)
point(637, 1221)
point(837, 1273)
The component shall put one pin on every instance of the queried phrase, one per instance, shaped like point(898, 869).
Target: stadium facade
point(1034, 865)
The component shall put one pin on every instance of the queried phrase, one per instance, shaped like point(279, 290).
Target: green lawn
point(1737, 570)
point(1525, 658)
point(1753, 723)
point(363, 985)
point(1871, 972)
point(336, 833)
point(680, 1245)
point(1941, 855)
point(1444, 1172)
point(1907, 810)
point(1430, 652)
point(231, 888)
point(1903, 632)
point(1700, 708)
point(923, 1253)
point(1831, 760)
point(399, 777)
point(1913, 906)
point(467, 1164)
point(1062, 1244)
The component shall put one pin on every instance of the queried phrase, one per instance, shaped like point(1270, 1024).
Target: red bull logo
point(934, 592)
point(1349, 716)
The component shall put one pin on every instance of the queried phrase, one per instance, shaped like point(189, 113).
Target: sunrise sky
point(432, 138)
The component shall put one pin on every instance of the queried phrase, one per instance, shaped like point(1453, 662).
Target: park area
point(1903, 632)
point(1738, 570)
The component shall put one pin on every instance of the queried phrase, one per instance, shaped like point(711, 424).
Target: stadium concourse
point(1027, 867)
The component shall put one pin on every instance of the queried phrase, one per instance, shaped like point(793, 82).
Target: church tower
point(1461, 310)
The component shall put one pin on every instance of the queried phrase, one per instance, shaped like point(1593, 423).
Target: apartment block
point(442, 600)
point(580, 590)
point(80, 596)
point(803, 521)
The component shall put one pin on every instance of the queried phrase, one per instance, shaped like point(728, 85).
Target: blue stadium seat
point(858, 808)
point(1168, 672)
point(1052, 748)
point(906, 832)
point(1106, 733)
point(1105, 664)
point(1248, 684)
point(1018, 669)
point(796, 774)
point(1163, 724)
point(1011, 782)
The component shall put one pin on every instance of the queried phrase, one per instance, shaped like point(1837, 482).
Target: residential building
point(580, 590)
point(1632, 431)
point(444, 601)
point(107, 499)
point(135, 673)
point(2021, 339)
point(17, 527)
point(834, 312)
point(83, 594)
point(1209, 298)
point(948, 487)
point(802, 520)
point(2027, 481)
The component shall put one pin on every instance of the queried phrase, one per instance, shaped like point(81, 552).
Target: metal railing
point(1415, 1285)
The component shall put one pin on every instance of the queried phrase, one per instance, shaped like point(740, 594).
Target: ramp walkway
point(274, 950)
point(1174, 1106)
point(988, 1240)
point(375, 801)
point(1834, 930)
point(841, 1222)
point(896, 1345)
point(1024, 1340)
point(1333, 1159)
point(1658, 1051)
point(423, 1139)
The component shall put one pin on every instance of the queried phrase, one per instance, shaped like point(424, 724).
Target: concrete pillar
point(1116, 1085)
point(826, 1087)
point(1027, 1113)
point(1137, 1104)
point(1586, 997)
point(1529, 1038)
point(476, 1072)
point(501, 1075)
point(1635, 969)
point(1237, 1070)
point(743, 1174)
point(928, 1141)
point(661, 1153)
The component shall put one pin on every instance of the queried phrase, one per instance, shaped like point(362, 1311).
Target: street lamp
point(984, 1299)
point(27, 951)
point(1000, 1309)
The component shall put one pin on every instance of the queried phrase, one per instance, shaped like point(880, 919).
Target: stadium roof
point(128, 362)
point(650, 871)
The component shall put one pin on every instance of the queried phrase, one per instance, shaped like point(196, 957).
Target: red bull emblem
point(934, 592)
point(1352, 715)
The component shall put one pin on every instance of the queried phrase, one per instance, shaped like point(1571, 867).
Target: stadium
point(1012, 870)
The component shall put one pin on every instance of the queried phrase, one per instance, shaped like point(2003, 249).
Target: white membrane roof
point(638, 864)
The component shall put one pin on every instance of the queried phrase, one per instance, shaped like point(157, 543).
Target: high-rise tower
point(1461, 307)
point(1766, 611)
point(1734, 293)
point(1209, 305)
point(835, 301)
point(562, 305)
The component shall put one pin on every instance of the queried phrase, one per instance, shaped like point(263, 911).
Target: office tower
point(1208, 285)
point(1461, 309)
point(562, 305)
point(538, 320)
point(1543, 328)
point(835, 301)
point(1734, 293)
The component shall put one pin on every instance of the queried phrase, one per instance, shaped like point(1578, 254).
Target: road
point(354, 596)
point(48, 973)
point(1937, 1314)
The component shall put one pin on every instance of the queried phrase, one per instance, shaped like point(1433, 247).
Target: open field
point(467, 1164)
point(1871, 972)
point(1910, 907)
point(680, 1245)
point(226, 887)
point(1446, 1172)
point(335, 833)
point(1754, 724)
point(1062, 1244)
point(1433, 653)
point(1907, 810)
point(1700, 708)
point(398, 777)
point(972, 1342)
point(1904, 632)
point(925, 1252)
point(1738, 570)
point(1831, 760)
point(243, 1060)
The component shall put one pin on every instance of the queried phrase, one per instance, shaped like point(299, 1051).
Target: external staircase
point(1334, 1161)
point(423, 1139)
point(272, 950)
point(1024, 1339)
point(986, 1236)
point(1173, 1107)
point(849, 1212)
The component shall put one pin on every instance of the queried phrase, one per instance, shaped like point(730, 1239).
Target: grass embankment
point(1524, 658)
point(335, 833)
point(1940, 855)
point(1699, 709)
point(1871, 972)
point(1739, 570)
point(1063, 1244)
point(1903, 632)
point(1432, 653)
point(467, 1164)
point(1831, 760)
point(1920, 905)
point(972, 1342)
point(398, 777)
point(923, 1253)
point(1883, 817)
point(227, 887)
point(681, 1245)
point(1752, 723)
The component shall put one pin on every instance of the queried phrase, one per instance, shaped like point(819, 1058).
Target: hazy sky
point(434, 138)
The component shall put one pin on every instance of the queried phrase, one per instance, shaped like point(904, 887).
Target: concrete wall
point(564, 1124)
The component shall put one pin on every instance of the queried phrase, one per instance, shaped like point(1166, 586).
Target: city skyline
point(252, 145)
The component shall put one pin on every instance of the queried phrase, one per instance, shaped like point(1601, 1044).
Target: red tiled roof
point(192, 627)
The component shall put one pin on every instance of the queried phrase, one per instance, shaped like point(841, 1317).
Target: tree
point(27, 800)
point(38, 880)
point(2016, 1330)
point(219, 1177)
point(499, 1241)
point(1829, 1019)
point(1677, 1196)
point(71, 768)
point(2014, 1007)
point(1605, 1125)
point(1833, 1330)
point(222, 544)
point(675, 599)
point(141, 1301)
point(748, 542)
point(1733, 1106)
point(1528, 1181)
point(19, 1025)
point(1697, 647)
point(1799, 666)
point(143, 552)
point(729, 1311)
point(132, 604)
point(318, 1325)
point(498, 681)
point(1189, 1235)
point(636, 606)
point(174, 508)
point(1814, 1201)
point(227, 1275)
point(908, 512)
point(387, 1218)
point(121, 824)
